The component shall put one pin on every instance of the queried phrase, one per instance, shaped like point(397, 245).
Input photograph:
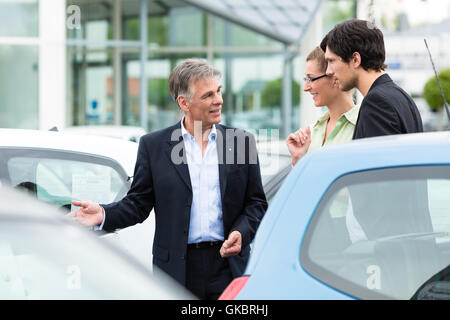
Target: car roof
point(387, 151)
point(113, 131)
point(122, 151)
point(19, 207)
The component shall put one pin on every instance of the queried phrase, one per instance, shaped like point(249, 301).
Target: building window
point(19, 18)
point(105, 76)
point(19, 87)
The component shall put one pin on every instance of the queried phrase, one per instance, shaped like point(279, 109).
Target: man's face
point(206, 102)
point(341, 70)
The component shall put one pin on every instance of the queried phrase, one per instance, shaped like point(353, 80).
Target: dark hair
point(318, 55)
point(359, 36)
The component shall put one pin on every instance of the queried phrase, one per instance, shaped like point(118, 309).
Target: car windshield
point(381, 233)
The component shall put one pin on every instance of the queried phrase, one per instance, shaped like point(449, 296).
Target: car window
point(58, 177)
point(381, 233)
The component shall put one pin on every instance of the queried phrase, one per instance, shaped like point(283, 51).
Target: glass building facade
point(106, 71)
point(19, 64)
point(251, 65)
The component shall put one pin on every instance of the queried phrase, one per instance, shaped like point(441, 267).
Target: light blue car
point(369, 219)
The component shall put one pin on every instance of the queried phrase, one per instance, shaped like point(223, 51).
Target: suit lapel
point(221, 153)
point(176, 154)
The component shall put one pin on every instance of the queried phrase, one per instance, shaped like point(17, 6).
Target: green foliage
point(432, 93)
point(158, 30)
point(271, 94)
point(158, 92)
point(337, 11)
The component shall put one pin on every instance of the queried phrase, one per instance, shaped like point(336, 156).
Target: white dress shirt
point(206, 222)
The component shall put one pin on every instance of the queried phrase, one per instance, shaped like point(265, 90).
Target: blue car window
point(382, 233)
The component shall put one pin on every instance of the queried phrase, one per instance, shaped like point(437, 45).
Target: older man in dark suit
point(203, 181)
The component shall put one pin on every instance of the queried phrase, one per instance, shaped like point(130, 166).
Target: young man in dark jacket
point(356, 55)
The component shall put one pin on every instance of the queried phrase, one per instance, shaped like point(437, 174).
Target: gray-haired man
point(204, 183)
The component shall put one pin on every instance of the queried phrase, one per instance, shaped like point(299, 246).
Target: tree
point(158, 30)
point(271, 94)
point(158, 92)
point(432, 93)
point(338, 11)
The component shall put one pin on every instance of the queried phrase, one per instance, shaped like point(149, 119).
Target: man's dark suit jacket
point(387, 109)
point(162, 181)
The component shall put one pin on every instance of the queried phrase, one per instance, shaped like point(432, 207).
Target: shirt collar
point(184, 132)
point(212, 134)
point(323, 118)
point(351, 116)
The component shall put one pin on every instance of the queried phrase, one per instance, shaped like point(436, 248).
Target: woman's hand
point(298, 143)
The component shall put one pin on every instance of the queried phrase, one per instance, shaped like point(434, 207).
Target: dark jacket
point(162, 181)
point(387, 109)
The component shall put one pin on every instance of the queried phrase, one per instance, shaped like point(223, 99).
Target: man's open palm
point(90, 214)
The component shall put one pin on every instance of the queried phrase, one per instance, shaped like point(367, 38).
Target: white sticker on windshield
point(91, 188)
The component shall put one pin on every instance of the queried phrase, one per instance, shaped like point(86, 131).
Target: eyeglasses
point(311, 80)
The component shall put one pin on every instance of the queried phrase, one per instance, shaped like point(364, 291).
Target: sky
point(418, 11)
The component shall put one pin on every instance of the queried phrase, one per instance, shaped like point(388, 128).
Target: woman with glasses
point(337, 124)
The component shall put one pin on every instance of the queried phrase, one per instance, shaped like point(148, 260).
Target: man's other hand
point(231, 246)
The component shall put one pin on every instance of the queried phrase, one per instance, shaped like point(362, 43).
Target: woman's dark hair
point(359, 36)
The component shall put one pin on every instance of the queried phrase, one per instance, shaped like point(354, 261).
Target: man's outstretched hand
point(90, 214)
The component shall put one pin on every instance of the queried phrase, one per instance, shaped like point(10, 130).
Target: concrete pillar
point(52, 64)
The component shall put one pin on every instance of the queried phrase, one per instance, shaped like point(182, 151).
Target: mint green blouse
point(343, 132)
